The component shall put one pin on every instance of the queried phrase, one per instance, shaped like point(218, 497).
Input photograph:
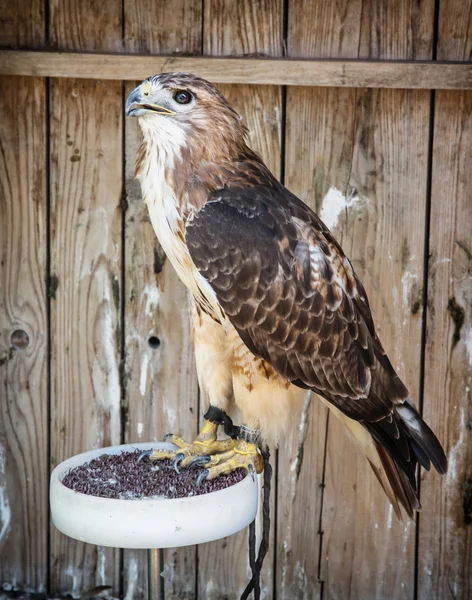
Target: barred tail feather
point(424, 443)
point(394, 446)
point(403, 440)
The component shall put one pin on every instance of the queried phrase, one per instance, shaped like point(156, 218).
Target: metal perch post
point(155, 579)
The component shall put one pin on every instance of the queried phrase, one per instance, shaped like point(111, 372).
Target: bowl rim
point(57, 477)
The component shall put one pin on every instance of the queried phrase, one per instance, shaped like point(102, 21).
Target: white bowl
point(148, 523)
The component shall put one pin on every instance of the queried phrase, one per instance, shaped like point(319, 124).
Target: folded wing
point(287, 287)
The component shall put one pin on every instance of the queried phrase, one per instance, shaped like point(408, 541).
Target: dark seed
point(124, 476)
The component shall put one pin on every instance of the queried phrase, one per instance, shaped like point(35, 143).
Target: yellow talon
point(218, 456)
point(244, 455)
point(205, 444)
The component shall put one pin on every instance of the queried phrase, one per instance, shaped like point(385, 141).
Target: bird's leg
point(206, 444)
point(243, 455)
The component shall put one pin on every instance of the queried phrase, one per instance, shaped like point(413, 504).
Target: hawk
point(276, 305)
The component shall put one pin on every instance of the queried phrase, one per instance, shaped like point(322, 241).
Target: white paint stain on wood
point(105, 368)
point(132, 577)
point(5, 510)
point(335, 203)
point(468, 345)
point(457, 450)
point(152, 294)
point(409, 283)
point(101, 565)
point(75, 575)
point(144, 374)
point(171, 415)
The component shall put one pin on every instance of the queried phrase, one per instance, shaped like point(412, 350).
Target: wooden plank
point(267, 71)
point(445, 540)
point(445, 535)
point(359, 157)
point(377, 209)
point(360, 29)
point(455, 30)
point(23, 309)
point(86, 181)
point(260, 108)
point(158, 27)
point(22, 24)
point(161, 390)
point(230, 29)
point(85, 26)
point(23, 356)
point(318, 151)
point(85, 311)
point(300, 476)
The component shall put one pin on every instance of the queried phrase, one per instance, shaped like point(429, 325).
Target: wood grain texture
point(223, 569)
point(86, 184)
point(23, 308)
point(85, 25)
point(360, 29)
point(243, 28)
point(445, 537)
point(299, 506)
point(23, 370)
point(22, 24)
point(445, 540)
point(161, 390)
point(381, 227)
point(232, 28)
point(455, 30)
point(359, 157)
point(267, 71)
point(317, 157)
point(160, 27)
point(85, 267)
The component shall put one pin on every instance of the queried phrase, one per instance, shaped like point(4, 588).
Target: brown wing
point(293, 296)
point(295, 300)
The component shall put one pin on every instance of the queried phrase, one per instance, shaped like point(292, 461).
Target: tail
point(394, 448)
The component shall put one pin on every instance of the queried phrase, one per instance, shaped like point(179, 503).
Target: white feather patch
point(165, 139)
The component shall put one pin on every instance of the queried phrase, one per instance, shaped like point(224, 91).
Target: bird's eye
point(182, 96)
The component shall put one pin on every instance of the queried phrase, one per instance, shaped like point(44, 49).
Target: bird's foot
point(244, 455)
point(196, 453)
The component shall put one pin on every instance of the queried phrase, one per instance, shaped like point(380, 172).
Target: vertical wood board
point(22, 24)
point(86, 25)
point(23, 363)
point(23, 312)
point(445, 536)
point(349, 155)
point(455, 30)
point(234, 29)
point(376, 212)
point(360, 29)
point(85, 304)
point(161, 390)
point(86, 183)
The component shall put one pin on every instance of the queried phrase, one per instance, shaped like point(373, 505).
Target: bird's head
point(180, 109)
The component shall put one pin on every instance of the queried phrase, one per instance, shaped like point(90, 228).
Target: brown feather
point(400, 484)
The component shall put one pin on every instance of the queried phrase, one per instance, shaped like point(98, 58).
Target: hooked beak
point(138, 105)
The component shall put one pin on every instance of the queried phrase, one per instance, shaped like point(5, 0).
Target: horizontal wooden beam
point(309, 72)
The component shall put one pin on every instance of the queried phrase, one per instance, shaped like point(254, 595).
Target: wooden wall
point(95, 345)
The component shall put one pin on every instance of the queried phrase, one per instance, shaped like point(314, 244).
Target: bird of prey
point(276, 304)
